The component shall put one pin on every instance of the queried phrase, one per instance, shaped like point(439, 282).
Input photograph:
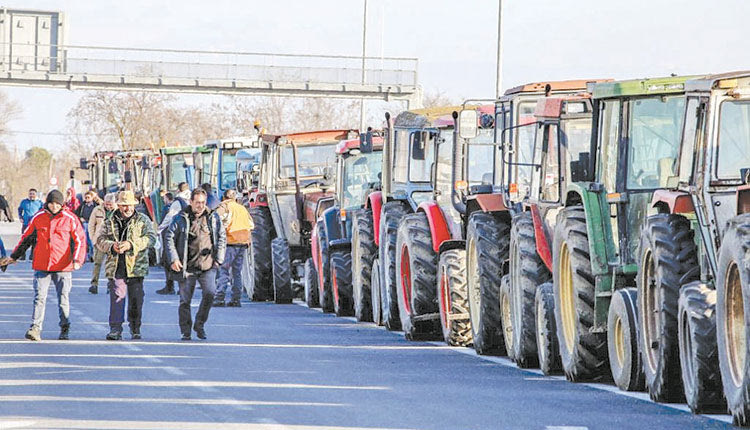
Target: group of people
point(200, 246)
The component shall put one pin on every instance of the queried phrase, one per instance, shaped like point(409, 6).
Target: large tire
point(282, 271)
point(375, 291)
point(364, 252)
point(506, 315)
point(583, 352)
point(622, 341)
point(392, 213)
point(548, 349)
point(311, 285)
point(667, 260)
point(699, 354)
point(488, 237)
point(733, 317)
point(527, 272)
point(341, 283)
point(453, 299)
point(416, 265)
point(262, 271)
point(325, 294)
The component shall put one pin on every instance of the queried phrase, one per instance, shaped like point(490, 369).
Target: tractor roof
point(724, 80)
point(541, 87)
point(183, 149)
point(641, 87)
point(311, 137)
point(424, 118)
point(556, 106)
point(345, 146)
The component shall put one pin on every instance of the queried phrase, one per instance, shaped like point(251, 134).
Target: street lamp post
point(499, 77)
point(364, 50)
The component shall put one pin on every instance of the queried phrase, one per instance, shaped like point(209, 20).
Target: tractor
point(693, 265)
point(409, 158)
point(216, 161)
point(329, 272)
point(296, 186)
point(635, 140)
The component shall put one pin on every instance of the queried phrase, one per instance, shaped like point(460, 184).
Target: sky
point(455, 41)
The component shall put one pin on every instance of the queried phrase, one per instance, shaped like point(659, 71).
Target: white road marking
point(174, 371)
point(566, 428)
point(207, 384)
point(131, 347)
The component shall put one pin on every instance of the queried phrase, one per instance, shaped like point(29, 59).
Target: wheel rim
point(473, 286)
point(406, 279)
point(507, 325)
point(445, 300)
point(651, 311)
point(735, 324)
point(619, 342)
point(686, 343)
point(567, 297)
point(540, 340)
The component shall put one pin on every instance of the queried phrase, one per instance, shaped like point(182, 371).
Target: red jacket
point(60, 241)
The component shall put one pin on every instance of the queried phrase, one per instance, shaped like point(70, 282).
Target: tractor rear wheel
point(262, 271)
point(416, 265)
point(622, 341)
point(527, 272)
point(583, 352)
point(311, 285)
point(341, 283)
point(282, 271)
point(732, 317)
point(548, 349)
point(392, 213)
point(325, 295)
point(363, 253)
point(487, 240)
point(668, 260)
point(699, 353)
point(452, 298)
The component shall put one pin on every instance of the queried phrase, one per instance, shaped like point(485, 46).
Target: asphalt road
point(268, 366)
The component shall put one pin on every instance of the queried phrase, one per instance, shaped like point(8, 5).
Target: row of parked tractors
point(595, 228)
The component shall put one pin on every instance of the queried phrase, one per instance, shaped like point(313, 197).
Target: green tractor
point(694, 274)
point(595, 245)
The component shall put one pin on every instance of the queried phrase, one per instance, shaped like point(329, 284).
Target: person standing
point(238, 224)
point(96, 225)
point(84, 214)
point(125, 238)
point(5, 209)
point(60, 249)
point(196, 242)
point(175, 205)
point(71, 200)
point(26, 210)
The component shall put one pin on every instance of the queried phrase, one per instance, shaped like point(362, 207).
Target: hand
point(124, 247)
point(5, 261)
point(176, 266)
point(116, 247)
point(76, 266)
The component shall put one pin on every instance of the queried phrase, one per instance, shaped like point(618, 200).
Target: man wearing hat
point(53, 230)
point(125, 238)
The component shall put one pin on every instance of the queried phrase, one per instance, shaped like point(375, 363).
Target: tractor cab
point(216, 161)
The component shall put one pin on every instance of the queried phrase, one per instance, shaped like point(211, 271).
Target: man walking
point(126, 237)
point(175, 205)
point(196, 242)
point(26, 210)
point(60, 249)
point(96, 225)
point(84, 214)
point(237, 223)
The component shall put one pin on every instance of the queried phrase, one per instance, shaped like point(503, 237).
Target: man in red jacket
point(60, 249)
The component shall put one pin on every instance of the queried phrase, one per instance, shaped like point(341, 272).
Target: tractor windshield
point(176, 170)
point(228, 169)
point(360, 173)
point(734, 139)
point(312, 160)
point(481, 157)
point(655, 127)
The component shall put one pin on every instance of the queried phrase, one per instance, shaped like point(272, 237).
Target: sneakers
point(166, 290)
point(200, 332)
point(135, 334)
point(34, 334)
point(218, 303)
point(64, 333)
point(93, 289)
point(234, 304)
point(114, 335)
point(185, 336)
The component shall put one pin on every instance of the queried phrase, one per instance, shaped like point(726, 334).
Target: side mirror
point(417, 146)
point(128, 176)
point(112, 167)
point(467, 124)
point(579, 169)
point(328, 173)
point(365, 143)
point(745, 175)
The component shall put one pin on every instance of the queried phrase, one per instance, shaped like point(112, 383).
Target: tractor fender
point(375, 202)
point(438, 227)
point(339, 244)
point(672, 202)
point(543, 242)
point(598, 226)
point(488, 203)
point(332, 223)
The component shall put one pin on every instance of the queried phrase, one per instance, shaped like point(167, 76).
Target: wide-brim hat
point(126, 198)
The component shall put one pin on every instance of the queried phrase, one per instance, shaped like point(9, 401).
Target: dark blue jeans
point(207, 281)
point(119, 289)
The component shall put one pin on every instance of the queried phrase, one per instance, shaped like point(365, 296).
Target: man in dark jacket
point(5, 209)
point(196, 242)
point(60, 249)
point(84, 213)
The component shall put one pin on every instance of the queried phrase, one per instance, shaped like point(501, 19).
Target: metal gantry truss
point(232, 73)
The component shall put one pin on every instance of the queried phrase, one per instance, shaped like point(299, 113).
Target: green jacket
point(140, 233)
